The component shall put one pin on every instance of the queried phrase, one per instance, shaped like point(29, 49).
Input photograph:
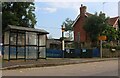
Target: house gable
point(114, 22)
point(80, 34)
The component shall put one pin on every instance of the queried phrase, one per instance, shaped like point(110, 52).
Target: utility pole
point(103, 6)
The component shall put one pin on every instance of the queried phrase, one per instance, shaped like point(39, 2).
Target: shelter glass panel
point(13, 38)
point(6, 38)
point(42, 51)
point(31, 38)
point(21, 39)
point(42, 40)
point(12, 52)
point(21, 51)
point(6, 52)
point(31, 52)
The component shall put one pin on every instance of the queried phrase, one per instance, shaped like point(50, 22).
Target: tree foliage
point(118, 30)
point(68, 24)
point(118, 34)
point(95, 25)
point(68, 27)
point(18, 13)
point(111, 33)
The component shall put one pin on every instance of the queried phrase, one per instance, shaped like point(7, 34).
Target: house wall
point(80, 35)
point(53, 44)
point(79, 32)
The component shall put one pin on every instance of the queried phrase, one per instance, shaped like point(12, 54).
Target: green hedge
point(108, 46)
point(118, 47)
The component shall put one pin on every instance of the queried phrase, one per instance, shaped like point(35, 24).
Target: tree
point(118, 32)
point(19, 14)
point(68, 27)
point(111, 33)
point(95, 25)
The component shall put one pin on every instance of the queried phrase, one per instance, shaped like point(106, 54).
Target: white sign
point(84, 50)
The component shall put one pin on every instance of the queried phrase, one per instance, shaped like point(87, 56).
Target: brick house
point(80, 35)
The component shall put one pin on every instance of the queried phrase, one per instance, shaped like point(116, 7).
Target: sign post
point(101, 48)
point(63, 42)
point(101, 38)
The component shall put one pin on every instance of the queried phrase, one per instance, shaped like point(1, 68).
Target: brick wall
point(79, 31)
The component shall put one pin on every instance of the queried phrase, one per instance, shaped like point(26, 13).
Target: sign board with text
point(102, 38)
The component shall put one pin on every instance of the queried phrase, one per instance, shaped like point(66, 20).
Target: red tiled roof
point(88, 14)
point(113, 20)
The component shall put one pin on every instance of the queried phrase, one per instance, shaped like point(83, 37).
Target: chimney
point(82, 10)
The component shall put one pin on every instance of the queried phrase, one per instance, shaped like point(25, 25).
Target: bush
point(118, 47)
point(107, 46)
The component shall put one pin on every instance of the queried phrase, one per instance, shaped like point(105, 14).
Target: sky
point(51, 15)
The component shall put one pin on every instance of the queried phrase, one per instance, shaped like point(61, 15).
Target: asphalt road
point(104, 68)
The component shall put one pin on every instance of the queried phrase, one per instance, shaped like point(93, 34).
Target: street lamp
point(63, 42)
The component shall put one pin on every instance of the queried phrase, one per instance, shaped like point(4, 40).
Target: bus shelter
point(24, 43)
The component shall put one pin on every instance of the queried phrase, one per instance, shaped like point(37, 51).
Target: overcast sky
point(51, 14)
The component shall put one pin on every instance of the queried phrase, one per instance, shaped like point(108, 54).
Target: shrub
point(118, 47)
point(107, 46)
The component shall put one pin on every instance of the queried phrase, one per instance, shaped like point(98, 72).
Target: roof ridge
point(114, 17)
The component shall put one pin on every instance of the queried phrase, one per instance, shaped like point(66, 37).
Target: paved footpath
point(103, 68)
point(13, 64)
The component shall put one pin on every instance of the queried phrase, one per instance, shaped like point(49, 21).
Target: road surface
point(104, 68)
